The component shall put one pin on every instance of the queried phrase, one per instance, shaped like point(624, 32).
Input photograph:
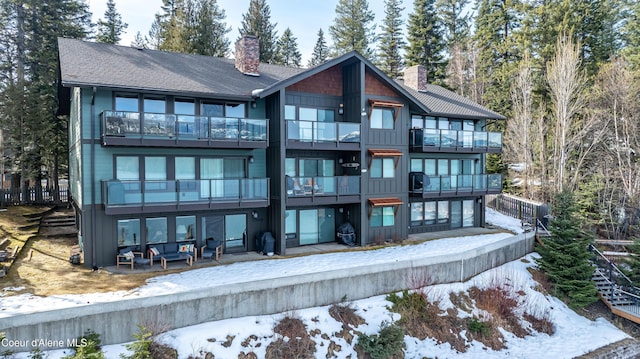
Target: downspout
point(93, 179)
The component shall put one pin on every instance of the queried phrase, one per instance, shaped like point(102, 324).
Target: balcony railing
point(323, 186)
point(428, 139)
point(455, 184)
point(117, 193)
point(311, 131)
point(154, 126)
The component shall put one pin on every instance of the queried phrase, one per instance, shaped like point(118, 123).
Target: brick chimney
point(416, 77)
point(248, 55)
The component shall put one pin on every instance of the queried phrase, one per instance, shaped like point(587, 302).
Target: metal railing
point(478, 140)
point(183, 127)
point(312, 131)
point(323, 186)
point(33, 196)
point(140, 193)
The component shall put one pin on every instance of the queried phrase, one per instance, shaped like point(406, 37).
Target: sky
point(303, 17)
point(574, 335)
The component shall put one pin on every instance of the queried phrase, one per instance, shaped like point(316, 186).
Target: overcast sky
point(303, 17)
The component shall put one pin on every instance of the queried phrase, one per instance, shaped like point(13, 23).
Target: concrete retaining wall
point(116, 322)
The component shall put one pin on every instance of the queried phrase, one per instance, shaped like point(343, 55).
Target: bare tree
point(567, 87)
point(519, 126)
point(614, 99)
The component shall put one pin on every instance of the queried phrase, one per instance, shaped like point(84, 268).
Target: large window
point(156, 230)
point(316, 225)
point(382, 118)
point(154, 105)
point(383, 168)
point(128, 232)
point(185, 228)
point(383, 216)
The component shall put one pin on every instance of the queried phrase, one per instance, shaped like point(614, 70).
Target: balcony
point(120, 128)
point(125, 197)
point(453, 185)
point(323, 135)
point(433, 140)
point(323, 190)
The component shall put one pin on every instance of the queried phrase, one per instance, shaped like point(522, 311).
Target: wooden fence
point(526, 210)
point(33, 196)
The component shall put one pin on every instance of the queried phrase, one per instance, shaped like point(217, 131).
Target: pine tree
point(205, 32)
point(320, 51)
point(169, 26)
point(140, 41)
point(631, 34)
point(352, 29)
point(257, 21)
point(32, 133)
point(391, 41)
point(287, 50)
point(110, 29)
point(425, 40)
point(455, 24)
point(565, 255)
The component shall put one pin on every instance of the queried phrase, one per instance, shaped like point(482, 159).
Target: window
point(126, 103)
point(128, 232)
point(154, 105)
point(156, 230)
point(382, 118)
point(127, 168)
point(417, 213)
point(235, 110)
point(383, 216)
point(443, 211)
point(291, 223)
point(155, 173)
point(383, 168)
point(185, 228)
point(184, 107)
point(289, 112)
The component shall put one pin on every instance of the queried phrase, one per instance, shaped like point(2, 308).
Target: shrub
point(383, 345)
point(87, 347)
point(479, 327)
point(141, 348)
point(36, 354)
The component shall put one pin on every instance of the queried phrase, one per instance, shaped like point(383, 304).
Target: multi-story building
point(168, 147)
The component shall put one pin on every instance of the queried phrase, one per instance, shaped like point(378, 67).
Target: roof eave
point(238, 97)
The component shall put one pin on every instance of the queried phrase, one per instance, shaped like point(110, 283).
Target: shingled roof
point(447, 103)
point(85, 63)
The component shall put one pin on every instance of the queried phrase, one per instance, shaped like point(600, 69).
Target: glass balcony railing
point(140, 193)
point(311, 131)
point(183, 127)
point(323, 186)
point(471, 140)
point(481, 183)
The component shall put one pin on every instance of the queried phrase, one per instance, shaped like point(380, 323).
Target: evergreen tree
point(320, 51)
point(455, 23)
point(631, 34)
point(352, 29)
point(565, 255)
point(33, 135)
point(391, 40)
point(169, 26)
point(140, 41)
point(287, 50)
point(496, 22)
point(205, 32)
point(426, 41)
point(257, 21)
point(110, 29)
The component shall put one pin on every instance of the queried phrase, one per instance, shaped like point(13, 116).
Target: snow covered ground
point(574, 335)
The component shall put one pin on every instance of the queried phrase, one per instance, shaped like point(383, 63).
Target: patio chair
point(211, 248)
point(127, 256)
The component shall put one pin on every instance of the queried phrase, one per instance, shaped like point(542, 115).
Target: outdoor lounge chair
point(211, 248)
point(127, 256)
